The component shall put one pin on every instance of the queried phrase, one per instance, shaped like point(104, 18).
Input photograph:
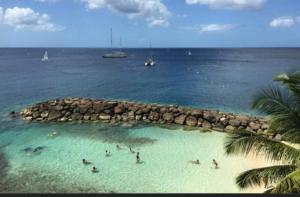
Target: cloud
point(27, 19)
point(212, 27)
point(284, 21)
point(154, 12)
point(229, 4)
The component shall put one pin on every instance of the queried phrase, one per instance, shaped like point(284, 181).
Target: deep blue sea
point(224, 79)
point(211, 78)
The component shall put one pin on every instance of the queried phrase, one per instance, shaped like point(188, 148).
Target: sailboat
point(189, 52)
point(150, 62)
point(45, 57)
point(114, 54)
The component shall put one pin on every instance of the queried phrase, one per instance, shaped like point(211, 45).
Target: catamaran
point(150, 62)
point(45, 57)
point(114, 54)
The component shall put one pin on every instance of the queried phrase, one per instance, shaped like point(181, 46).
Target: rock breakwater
point(108, 111)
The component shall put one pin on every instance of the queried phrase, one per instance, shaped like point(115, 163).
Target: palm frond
point(273, 101)
point(267, 175)
point(290, 184)
point(292, 81)
point(246, 142)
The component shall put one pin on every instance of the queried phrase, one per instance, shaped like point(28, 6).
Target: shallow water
point(165, 155)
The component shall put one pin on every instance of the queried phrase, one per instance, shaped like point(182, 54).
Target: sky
point(164, 23)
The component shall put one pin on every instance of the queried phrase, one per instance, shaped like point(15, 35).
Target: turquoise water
point(164, 152)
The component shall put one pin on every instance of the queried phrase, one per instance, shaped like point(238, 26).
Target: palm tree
point(281, 104)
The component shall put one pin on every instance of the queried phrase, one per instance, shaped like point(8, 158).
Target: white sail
point(45, 57)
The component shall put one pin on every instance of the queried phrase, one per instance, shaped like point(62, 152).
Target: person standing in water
point(107, 154)
point(94, 170)
point(137, 157)
point(215, 163)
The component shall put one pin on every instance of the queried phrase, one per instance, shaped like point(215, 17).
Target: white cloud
point(153, 11)
point(27, 19)
point(212, 27)
point(229, 4)
point(284, 21)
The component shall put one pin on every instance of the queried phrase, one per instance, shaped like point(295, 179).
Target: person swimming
point(84, 161)
point(138, 157)
point(130, 149)
point(107, 153)
point(195, 162)
point(215, 163)
point(94, 170)
point(118, 147)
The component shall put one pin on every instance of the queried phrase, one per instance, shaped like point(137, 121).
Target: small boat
point(115, 54)
point(45, 57)
point(150, 62)
point(189, 53)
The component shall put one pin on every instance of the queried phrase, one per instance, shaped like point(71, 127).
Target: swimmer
point(137, 157)
point(118, 147)
point(215, 163)
point(195, 162)
point(84, 161)
point(94, 170)
point(107, 154)
point(132, 151)
point(38, 149)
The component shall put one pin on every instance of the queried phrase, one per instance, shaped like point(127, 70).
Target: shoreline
point(117, 111)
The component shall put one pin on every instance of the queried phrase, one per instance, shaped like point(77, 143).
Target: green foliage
point(282, 105)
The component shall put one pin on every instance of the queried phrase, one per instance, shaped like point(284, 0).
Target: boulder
point(163, 110)
point(104, 117)
point(191, 121)
point(83, 108)
point(244, 120)
point(58, 108)
point(119, 109)
point(76, 116)
point(94, 117)
point(254, 126)
point(98, 107)
point(206, 124)
point(209, 116)
point(224, 121)
point(218, 127)
point(169, 117)
point(35, 115)
point(86, 117)
point(196, 113)
point(264, 126)
point(180, 119)
point(131, 115)
point(54, 115)
point(230, 128)
point(154, 116)
point(235, 122)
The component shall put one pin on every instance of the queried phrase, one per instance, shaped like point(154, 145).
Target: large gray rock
point(154, 116)
point(209, 116)
point(235, 122)
point(243, 119)
point(119, 109)
point(206, 124)
point(77, 116)
point(191, 121)
point(230, 128)
point(104, 117)
point(54, 115)
point(44, 114)
point(180, 119)
point(197, 113)
point(98, 107)
point(169, 117)
point(254, 126)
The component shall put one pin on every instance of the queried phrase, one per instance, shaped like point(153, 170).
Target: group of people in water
point(214, 162)
point(138, 160)
point(108, 154)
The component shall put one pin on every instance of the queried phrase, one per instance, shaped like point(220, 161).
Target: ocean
point(224, 79)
